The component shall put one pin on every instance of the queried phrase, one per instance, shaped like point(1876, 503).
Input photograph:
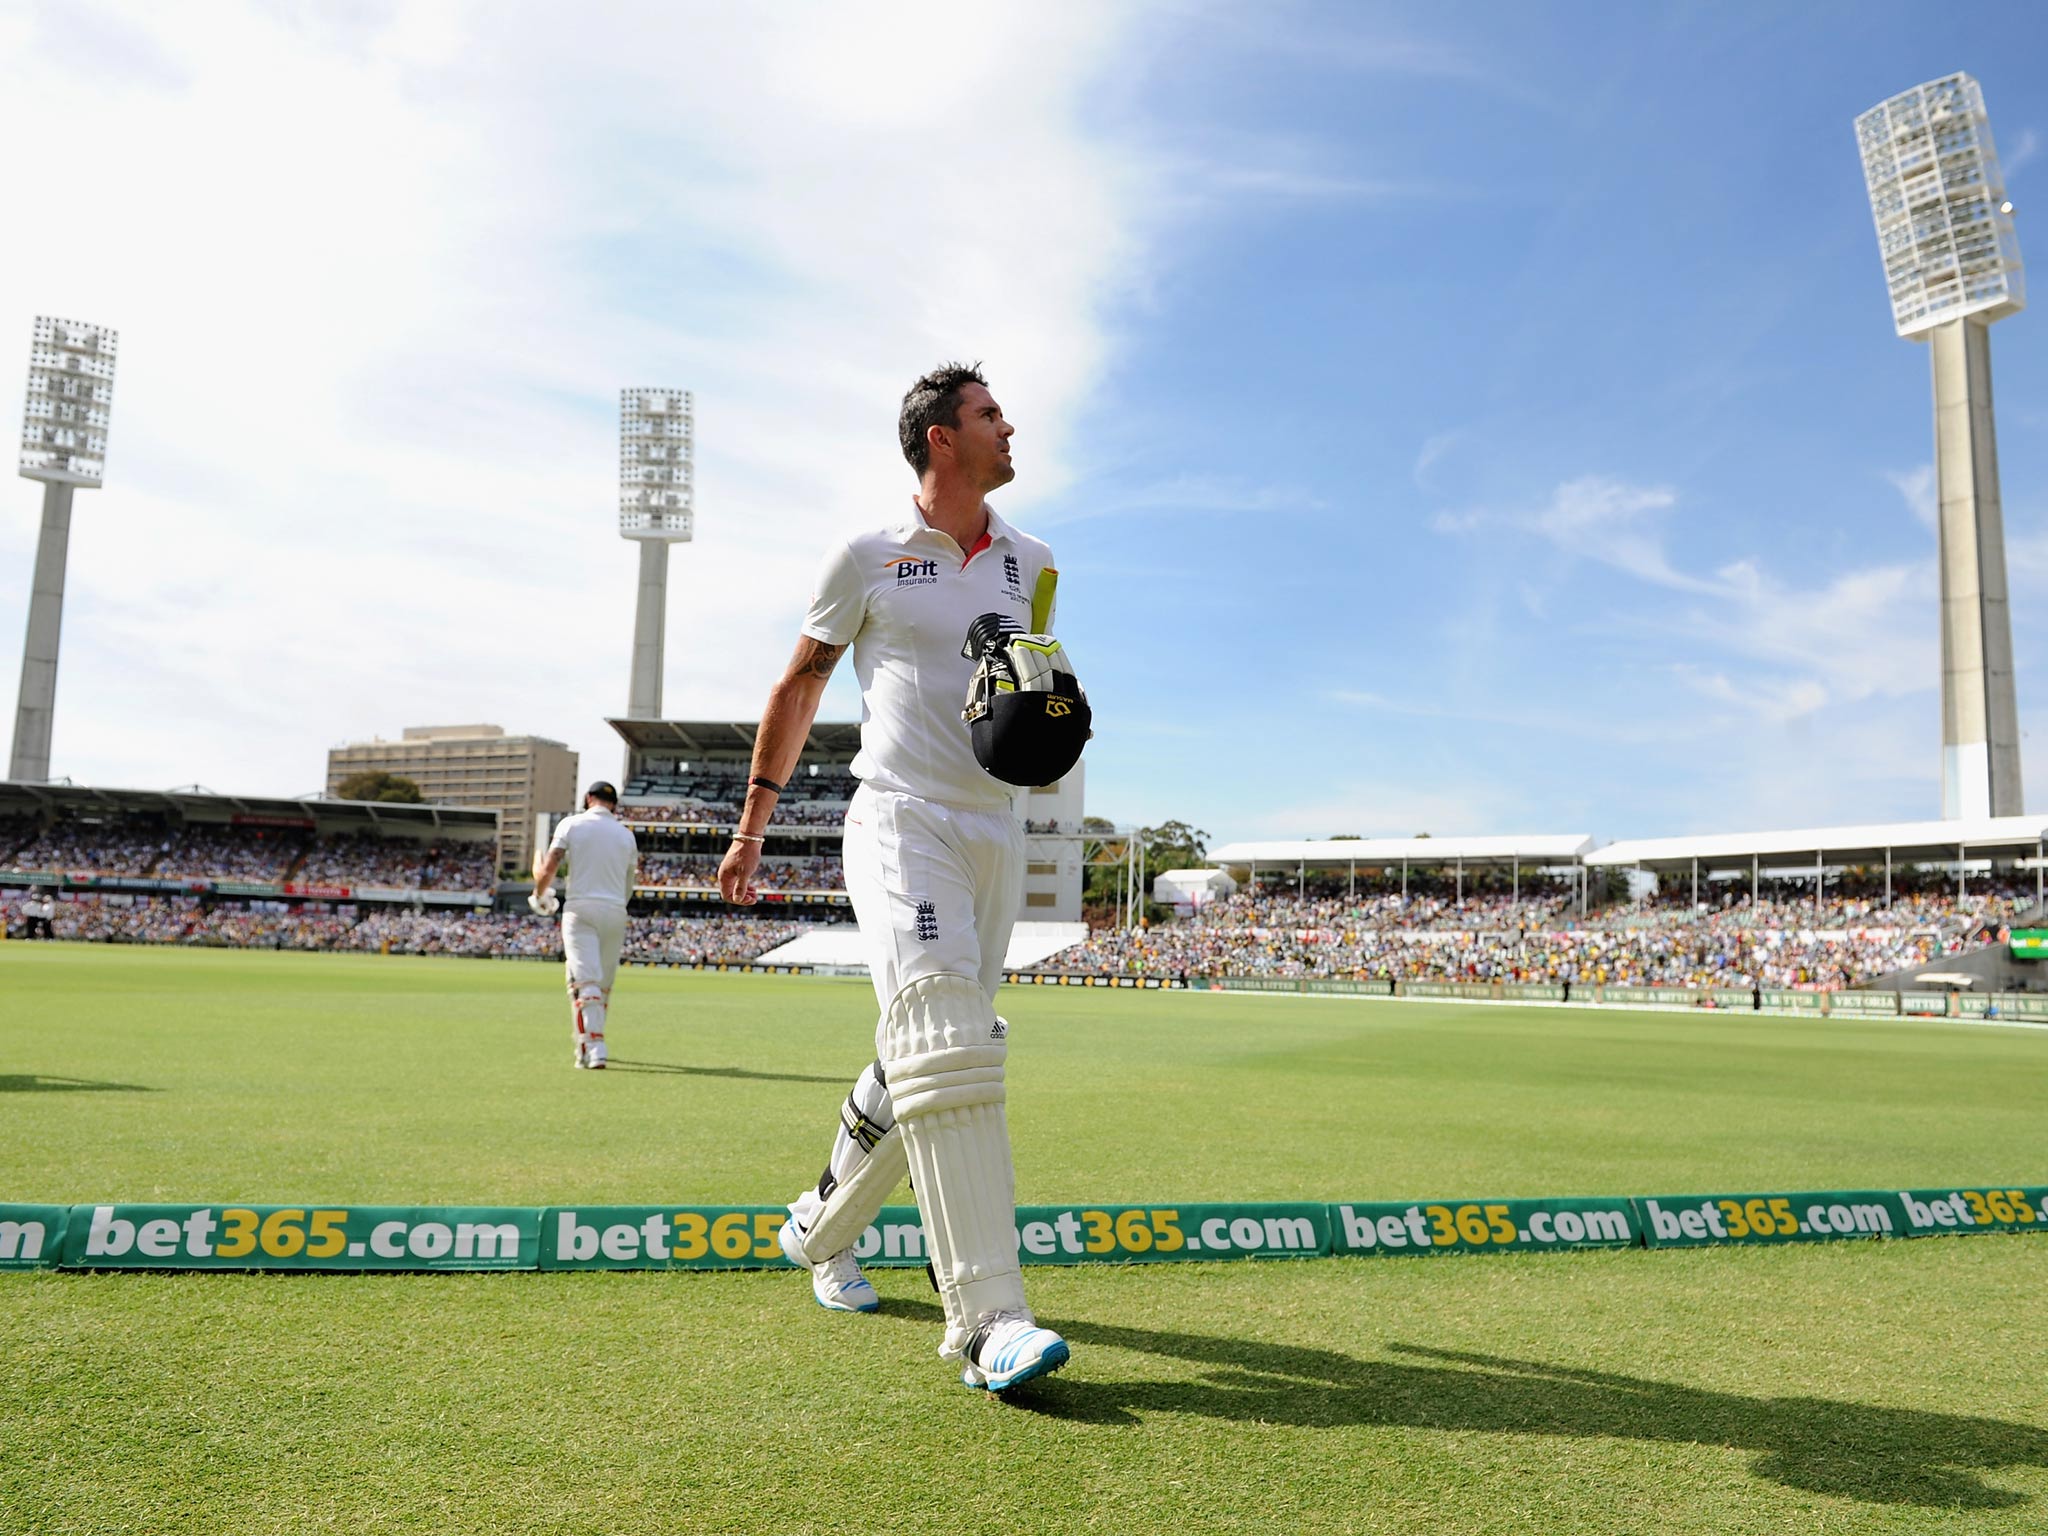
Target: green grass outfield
point(1897, 1386)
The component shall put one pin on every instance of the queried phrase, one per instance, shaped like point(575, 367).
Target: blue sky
point(1454, 419)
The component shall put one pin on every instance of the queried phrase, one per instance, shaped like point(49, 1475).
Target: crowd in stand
point(139, 848)
point(228, 853)
point(182, 920)
point(104, 848)
point(732, 786)
point(1780, 940)
point(726, 813)
point(711, 940)
point(1854, 903)
point(1777, 936)
point(365, 859)
point(823, 873)
point(186, 920)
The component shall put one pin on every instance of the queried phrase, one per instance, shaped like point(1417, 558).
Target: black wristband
point(758, 782)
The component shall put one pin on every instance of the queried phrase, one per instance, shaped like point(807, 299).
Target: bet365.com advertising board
point(748, 1237)
point(1815, 1216)
point(346, 1239)
point(1483, 1226)
point(662, 1237)
point(32, 1236)
point(1931, 1211)
point(296, 1237)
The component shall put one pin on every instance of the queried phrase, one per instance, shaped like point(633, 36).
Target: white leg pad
point(857, 1199)
point(945, 1053)
point(590, 1018)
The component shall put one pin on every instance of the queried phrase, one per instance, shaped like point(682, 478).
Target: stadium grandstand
point(198, 843)
point(1819, 909)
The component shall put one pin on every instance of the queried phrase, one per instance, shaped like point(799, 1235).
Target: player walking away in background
point(602, 855)
point(934, 857)
point(39, 909)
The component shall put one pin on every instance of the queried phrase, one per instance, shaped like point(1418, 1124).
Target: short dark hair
point(933, 401)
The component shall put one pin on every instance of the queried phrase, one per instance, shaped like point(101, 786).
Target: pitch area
point(1884, 1387)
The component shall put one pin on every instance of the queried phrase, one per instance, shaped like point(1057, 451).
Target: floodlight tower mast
point(657, 508)
point(64, 445)
point(1952, 264)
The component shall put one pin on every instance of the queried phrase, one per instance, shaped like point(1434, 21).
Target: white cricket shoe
point(1008, 1350)
point(837, 1282)
point(580, 1062)
point(593, 1055)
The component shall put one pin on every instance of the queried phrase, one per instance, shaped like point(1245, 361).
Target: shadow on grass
point(620, 1064)
point(1820, 1445)
point(43, 1082)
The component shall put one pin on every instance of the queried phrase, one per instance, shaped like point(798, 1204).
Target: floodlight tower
point(1952, 263)
point(64, 445)
point(657, 508)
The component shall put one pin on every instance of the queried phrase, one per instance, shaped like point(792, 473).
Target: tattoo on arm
point(814, 658)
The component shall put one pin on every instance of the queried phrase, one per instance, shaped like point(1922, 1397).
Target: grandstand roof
point(17, 796)
point(1342, 852)
point(1906, 841)
point(828, 738)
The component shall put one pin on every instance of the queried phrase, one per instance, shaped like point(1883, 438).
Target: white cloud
point(1862, 634)
point(380, 275)
point(1428, 456)
point(2024, 150)
point(1384, 808)
point(1916, 485)
point(1594, 517)
point(1769, 698)
point(1617, 524)
point(1308, 185)
point(1189, 494)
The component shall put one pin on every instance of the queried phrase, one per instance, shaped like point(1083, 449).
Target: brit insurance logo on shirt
point(1013, 580)
point(911, 571)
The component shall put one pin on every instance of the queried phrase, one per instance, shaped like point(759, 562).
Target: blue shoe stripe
point(855, 1298)
point(1054, 1356)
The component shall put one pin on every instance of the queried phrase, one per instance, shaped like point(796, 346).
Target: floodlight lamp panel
point(1937, 195)
point(69, 402)
point(657, 498)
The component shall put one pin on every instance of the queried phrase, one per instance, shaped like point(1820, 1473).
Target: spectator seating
point(1781, 940)
point(148, 848)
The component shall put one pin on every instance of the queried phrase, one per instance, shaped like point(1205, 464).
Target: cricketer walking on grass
point(602, 855)
point(945, 603)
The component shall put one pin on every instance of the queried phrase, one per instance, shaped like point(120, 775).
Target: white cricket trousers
point(935, 889)
point(593, 933)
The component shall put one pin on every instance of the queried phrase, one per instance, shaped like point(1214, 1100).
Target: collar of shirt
point(914, 527)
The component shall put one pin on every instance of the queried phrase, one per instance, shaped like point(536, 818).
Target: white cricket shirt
point(903, 598)
point(601, 853)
